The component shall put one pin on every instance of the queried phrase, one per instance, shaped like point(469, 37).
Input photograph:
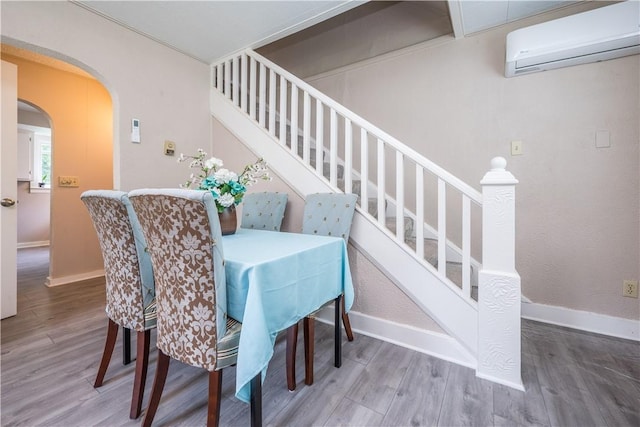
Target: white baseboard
point(583, 320)
point(33, 244)
point(444, 347)
point(435, 344)
point(66, 280)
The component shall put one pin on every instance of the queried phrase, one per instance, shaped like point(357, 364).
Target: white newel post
point(499, 349)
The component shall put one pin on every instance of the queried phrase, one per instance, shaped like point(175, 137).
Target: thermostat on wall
point(135, 130)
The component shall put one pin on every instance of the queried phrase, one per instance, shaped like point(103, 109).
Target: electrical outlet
point(630, 288)
point(169, 148)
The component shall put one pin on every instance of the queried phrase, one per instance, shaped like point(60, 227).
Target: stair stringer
point(442, 301)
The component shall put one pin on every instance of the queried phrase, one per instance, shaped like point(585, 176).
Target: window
point(41, 177)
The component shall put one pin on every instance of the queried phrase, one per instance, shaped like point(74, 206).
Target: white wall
point(577, 205)
point(167, 91)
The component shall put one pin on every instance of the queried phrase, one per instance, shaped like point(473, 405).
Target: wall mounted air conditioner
point(605, 33)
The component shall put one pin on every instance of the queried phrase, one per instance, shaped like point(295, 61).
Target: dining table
point(274, 279)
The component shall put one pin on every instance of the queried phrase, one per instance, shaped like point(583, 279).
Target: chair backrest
point(263, 211)
point(329, 214)
point(130, 287)
point(185, 242)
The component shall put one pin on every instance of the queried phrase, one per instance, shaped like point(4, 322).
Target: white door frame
point(9, 191)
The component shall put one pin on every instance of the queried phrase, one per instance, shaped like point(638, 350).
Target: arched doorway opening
point(80, 111)
point(34, 176)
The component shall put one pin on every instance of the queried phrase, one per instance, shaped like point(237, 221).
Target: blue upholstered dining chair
point(184, 239)
point(263, 211)
point(130, 288)
point(325, 214)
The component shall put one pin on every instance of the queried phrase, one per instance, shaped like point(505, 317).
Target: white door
point(8, 191)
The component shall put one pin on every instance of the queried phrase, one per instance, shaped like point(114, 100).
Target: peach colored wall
point(166, 90)
point(80, 111)
point(577, 210)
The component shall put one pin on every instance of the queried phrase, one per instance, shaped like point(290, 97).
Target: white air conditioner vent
point(597, 35)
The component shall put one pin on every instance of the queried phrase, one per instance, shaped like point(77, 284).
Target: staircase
point(453, 268)
point(417, 219)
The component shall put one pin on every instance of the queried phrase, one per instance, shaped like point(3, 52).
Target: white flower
point(225, 200)
point(225, 176)
point(227, 187)
point(253, 173)
point(213, 163)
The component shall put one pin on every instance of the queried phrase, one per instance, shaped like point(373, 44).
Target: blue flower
point(209, 182)
point(226, 186)
point(237, 188)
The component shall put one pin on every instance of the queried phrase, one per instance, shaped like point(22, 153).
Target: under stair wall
point(267, 108)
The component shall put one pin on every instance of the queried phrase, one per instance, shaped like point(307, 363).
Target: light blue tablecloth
point(275, 279)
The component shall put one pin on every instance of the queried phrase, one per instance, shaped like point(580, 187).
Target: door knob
point(7, 202)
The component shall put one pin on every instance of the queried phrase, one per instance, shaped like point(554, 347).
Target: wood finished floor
point(51, 350)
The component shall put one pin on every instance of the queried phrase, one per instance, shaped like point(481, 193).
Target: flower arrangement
point(227, 187)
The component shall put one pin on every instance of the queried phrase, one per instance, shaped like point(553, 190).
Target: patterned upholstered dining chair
point(130, 288)
point(326, 214)
point(184, 239)
point(263, 211)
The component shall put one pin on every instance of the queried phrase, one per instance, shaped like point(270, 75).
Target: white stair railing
point(269, 94)
point(281, 104)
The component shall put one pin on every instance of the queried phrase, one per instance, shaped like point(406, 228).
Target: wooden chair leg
point(126, 346)
point(292, 343)
point(143, 340)
point(346, 323)
point(109, 344)
point(256, 401)
point(308, 328)
point(215, 396)
point(162, 368)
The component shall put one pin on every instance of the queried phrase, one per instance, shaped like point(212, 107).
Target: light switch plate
point(68, 181)
point(516, 148)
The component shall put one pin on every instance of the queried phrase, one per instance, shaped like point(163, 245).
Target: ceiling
point(211, 30)
point(481, 15)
